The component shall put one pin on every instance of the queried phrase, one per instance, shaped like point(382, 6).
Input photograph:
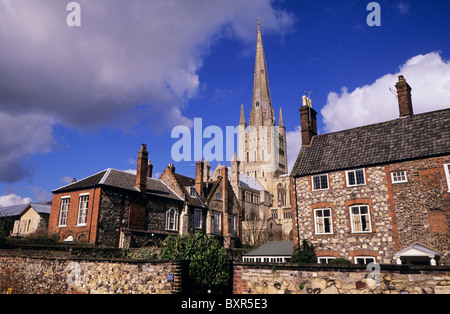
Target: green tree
point(208, 258)
point(305, 254)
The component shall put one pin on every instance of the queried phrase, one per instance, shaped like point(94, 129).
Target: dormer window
point(192, 191)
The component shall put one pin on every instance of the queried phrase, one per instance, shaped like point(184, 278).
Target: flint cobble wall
point(334, 279)
point(39, 275)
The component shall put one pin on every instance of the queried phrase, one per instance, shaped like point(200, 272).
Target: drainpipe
point(92, 211)
point(296, 210)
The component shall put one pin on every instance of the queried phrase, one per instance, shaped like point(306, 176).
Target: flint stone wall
point(40, 275)
point(337, 279)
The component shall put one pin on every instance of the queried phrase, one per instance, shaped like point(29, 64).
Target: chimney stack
point(308, 121)
point(142, 169)
point(404, 97)
point(150, 170)
point(199, 177)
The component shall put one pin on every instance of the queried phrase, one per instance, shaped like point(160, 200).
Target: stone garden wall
point(40, 275)
point(338, 279)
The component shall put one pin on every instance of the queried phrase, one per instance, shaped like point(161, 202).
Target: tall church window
point(281, 195)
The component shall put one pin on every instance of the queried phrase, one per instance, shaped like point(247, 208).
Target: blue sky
point(77, 100)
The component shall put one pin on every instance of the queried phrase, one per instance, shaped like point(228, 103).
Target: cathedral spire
point(262, 113)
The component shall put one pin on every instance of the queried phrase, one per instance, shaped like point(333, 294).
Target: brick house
point(113, 208)
point(377, 193)
point(210, 207)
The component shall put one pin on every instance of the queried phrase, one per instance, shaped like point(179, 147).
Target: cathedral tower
point(262, 145)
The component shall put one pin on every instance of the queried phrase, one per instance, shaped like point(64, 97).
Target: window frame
point(330, 217)
point(365, 258)
point(326, 258)
point(368, 219)
point(447, 174)
point(198, 218)
point(170, 217)
point(63, 211)
point(217, 220)
point(232, 225)
point(84, 213)
point(395, 178)
point(347, 172)
point(320, 182)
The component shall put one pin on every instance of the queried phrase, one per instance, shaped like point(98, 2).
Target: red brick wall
point(87, 232)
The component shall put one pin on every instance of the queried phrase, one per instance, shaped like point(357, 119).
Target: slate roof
point(414, 137)
point(273, 248)
point(122, 180)
point(17, 210)
point(41, 208)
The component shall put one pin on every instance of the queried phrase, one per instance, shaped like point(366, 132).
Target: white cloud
point(12, 200)
point(126, 54)
point(428, 75)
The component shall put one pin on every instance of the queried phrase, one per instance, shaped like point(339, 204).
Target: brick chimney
point(199, 177)
point(142, 168)
point(150, 170)
point(404, 97)
point(308, 121)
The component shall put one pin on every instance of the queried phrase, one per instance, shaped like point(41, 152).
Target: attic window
point(193, 191)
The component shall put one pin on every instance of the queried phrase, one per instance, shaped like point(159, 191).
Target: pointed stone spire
point(281, 123)
point(242, 120)
point(262, 104)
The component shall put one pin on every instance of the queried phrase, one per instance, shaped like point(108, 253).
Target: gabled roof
point(122, 180)
point(273, 248)
point(187, 182)
point(41, 208)
point(414, 137)
point(418, 250)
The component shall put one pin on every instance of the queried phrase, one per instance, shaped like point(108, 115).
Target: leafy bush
point(41, 238)
point(207, 255)
point(147, 253)
point(306, 254)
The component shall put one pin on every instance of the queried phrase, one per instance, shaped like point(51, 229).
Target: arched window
point(172, 219)
point(281, 195)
